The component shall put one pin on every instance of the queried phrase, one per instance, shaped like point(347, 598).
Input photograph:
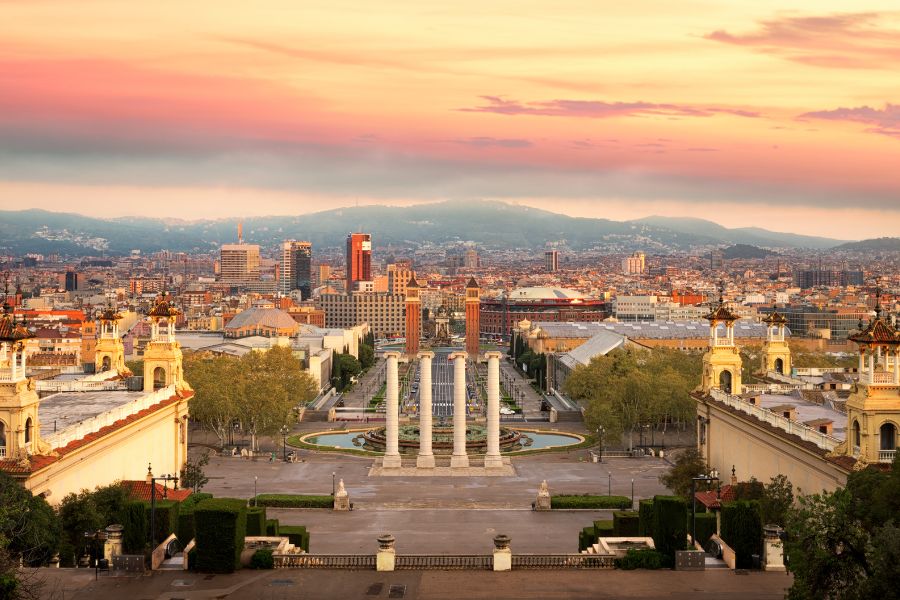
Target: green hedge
point(272, 527)
point(256, 521)
point(185, 531)
point(706, 527)
point(645, 518)
point(166, 519)
point(742, 530)
point(135, 535)
point(220, 525)
point(626, 523)
point(603, 529)
point(262, 559)
point(296, 534)
point(294, 501)
point(669, 524)
point(586, 538)
point(643, 559)
point(590, 502)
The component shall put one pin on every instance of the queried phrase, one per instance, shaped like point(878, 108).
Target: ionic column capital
point(425, 354)
point(459, 354)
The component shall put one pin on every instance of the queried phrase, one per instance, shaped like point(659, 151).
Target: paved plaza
point(462, 513)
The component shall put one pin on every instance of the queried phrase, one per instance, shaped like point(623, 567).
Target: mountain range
point(488, 224)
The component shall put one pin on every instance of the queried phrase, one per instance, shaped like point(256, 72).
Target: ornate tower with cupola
point(20, 430)
point(162, 355)
point(473, 308)
point(722, 361)
point(413, 318)
point(776, 354)
point(873, 409)
point(110, 352)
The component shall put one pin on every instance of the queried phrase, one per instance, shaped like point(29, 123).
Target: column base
point(425, 461)
point(459, 461)
point(493, 462)
point(391, 462)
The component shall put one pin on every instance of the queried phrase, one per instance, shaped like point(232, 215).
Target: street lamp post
point(600, 432)
point(332, 484)
point(284, 432)
point(713, 475)
point(153, 480)
point(255, 500)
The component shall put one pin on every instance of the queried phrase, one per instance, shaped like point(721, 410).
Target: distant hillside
point(491, 225)
point(884, 244)
point(746, 251)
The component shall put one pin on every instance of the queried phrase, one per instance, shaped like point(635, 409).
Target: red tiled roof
point(140, 490)
point(38, 462)
point(713, 499)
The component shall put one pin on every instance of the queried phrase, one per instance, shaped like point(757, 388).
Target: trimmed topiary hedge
point(135, 535)
point(220, 525)
point(586, 538)
point(587, 501)
point(296, 534)
point(625, 523)
point(272, 527)
point(166, 519)
point(669, 524)
point(185, 531)
point(603, 529)
point(262, 559)
point(294, 501)
point(645, 518)
point(706, 527)
point(742, 530)
point(256, 521)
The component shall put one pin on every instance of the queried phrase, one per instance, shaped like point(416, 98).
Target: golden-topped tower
point(776, 354)
point(162, 356)
point(722, 361)
point(873, 409)
point(109, 354)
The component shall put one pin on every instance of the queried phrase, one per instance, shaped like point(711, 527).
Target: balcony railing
point(324, 561)
point(877, 378)
point(886, 456)
point(2, 451)
point(562, 561)
point(824, 441)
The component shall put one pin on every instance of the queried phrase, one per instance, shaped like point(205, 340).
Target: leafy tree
point(192, 474)
point(366, 356)
point(776, 501)
point(844, 544)
point(29, 528)
point(336, 375)
point(688, 464)
point(216, 383)
point(350, 367)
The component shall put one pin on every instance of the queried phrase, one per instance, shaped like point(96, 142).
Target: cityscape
point(314, 301)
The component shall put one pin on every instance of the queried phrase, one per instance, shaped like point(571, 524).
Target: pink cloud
point(846, 41)
point(597, 109)
point(885, 121)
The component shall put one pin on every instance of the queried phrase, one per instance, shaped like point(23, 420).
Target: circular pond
point(511, 440)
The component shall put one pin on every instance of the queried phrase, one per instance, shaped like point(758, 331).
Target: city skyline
point(752, 114)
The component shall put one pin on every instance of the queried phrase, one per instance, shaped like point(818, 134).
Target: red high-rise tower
point(473, 306)
point(413, 317)
point(359, 259)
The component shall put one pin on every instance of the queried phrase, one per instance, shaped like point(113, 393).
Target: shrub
point(166, 519)
point(669, 524)
point(294, 501)
point(626, 523)
point(603, 529)
point(262, 559)
point(742, 530)
point(706, 527)
point(272, 527)
point(185, 531)
point(643, 559)
point(296, 534)
point(586, 538)
point(220, 529)
point(135, 534)
point(645, 518)
point(590, 502)
point(256, 520)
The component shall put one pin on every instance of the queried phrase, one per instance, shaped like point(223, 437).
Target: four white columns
point(425, 459)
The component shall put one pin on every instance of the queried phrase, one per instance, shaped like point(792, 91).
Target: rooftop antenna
point(240, 233)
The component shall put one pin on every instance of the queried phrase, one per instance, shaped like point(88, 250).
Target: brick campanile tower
point(413, 317)
point(473, 305)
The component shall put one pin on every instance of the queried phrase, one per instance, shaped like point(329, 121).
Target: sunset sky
point(784, 115)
